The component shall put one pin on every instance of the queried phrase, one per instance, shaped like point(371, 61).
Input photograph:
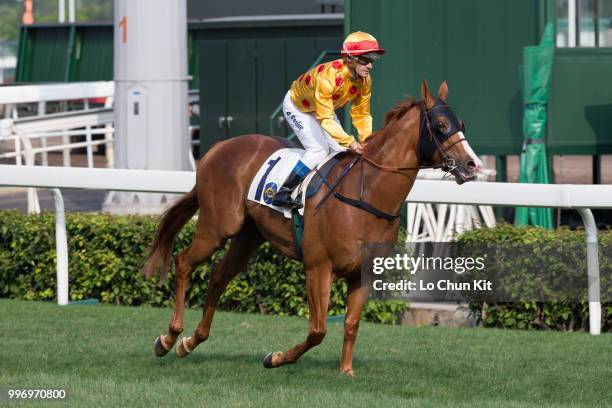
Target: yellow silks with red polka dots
point(330, 86)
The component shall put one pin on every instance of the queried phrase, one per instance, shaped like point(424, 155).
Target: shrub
point(572, 316)
point(105, 255)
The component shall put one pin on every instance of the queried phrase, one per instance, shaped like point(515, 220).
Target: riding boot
point(282, 198)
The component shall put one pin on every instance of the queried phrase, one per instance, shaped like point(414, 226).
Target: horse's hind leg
point(202, 247)
point(318, 285)
point(234, 261)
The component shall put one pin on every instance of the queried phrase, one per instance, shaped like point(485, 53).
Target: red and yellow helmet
point(360, 43)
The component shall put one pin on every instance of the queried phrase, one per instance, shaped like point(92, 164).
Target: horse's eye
point(441, 123)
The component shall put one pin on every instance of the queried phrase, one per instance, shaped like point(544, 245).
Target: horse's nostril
point(471, 165)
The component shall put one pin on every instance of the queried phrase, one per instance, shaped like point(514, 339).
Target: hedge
point(105, 255)
point(564, 316)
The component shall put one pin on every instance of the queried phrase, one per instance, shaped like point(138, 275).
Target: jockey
point(310, 104)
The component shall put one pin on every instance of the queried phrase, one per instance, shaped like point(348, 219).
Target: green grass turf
point(104, 356)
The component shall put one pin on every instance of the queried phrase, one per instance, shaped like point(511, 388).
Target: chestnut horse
point(333, 232)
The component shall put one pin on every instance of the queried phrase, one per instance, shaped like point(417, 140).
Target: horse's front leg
point(357, 295)
point(318, 285)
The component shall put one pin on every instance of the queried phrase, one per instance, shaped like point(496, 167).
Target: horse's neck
point(397, 145)
point(396, 149)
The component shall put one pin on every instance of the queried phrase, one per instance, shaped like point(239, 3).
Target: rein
point(360, 203)
point(447, 163)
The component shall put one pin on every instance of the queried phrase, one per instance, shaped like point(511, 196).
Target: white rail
point(41, 94)
point(55, 92)
point(148, 181)
point(24, 131)
point(581, 197)
point(440, 222)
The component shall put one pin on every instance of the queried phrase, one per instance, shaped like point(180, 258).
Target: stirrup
point(283, 199)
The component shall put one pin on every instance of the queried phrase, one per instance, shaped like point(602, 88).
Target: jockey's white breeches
point(317, 142)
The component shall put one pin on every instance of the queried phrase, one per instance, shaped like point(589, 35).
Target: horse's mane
point(394, 115)
point(399, 110)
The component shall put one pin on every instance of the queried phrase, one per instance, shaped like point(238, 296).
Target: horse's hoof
point(181, 348)
point(160, 349)
point(348, 373)
point(267, 362)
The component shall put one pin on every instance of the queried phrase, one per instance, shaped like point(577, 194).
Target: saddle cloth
point(273, 174)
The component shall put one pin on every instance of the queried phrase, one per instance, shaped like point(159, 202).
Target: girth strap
point(332, 188)
point(365, 206)
point(362, 204)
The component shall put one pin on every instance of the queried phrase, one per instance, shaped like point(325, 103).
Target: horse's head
point(442, 137)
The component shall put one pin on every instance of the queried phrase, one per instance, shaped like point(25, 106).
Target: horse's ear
point(426, 95)
point(443, 91)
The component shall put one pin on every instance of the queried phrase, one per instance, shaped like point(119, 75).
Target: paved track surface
point(74, 200)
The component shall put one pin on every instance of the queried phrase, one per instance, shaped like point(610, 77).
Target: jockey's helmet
point(361, 43)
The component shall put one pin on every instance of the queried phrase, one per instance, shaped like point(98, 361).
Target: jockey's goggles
point(367, 58)
point(364, 60)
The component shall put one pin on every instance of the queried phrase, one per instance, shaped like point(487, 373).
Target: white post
point(590, 229)
point(452, 219)
point(410, 213)
point(62, 11)
point(65, 138)
point(417, 222)
point(8, 110)
point(460, 220)
point(151, 104)
point(61, 248)
point(192, 163)
point(429, 216)
point(474, 217)
point(71, 11)
point(108, 137)
point(442, 209)
point(90, 162)
point(18, 151)
point(487, 215)
point(42, 110)
point(571, 23)
point(33, 203)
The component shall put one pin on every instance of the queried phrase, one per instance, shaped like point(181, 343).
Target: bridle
point(429, 141)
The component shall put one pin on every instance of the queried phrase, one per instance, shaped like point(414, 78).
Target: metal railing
point(12, 98)
point(427, 222)
point(580, 197)
point(26, 138)
point(30, 137)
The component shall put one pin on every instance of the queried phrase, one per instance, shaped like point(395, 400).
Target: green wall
point(74, 52)
point(581, 102)
point(476, 45)
point(43, 54)
point(247, 67)
point(91, 55)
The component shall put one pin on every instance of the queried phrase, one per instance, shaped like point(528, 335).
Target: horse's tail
point(171, 222)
